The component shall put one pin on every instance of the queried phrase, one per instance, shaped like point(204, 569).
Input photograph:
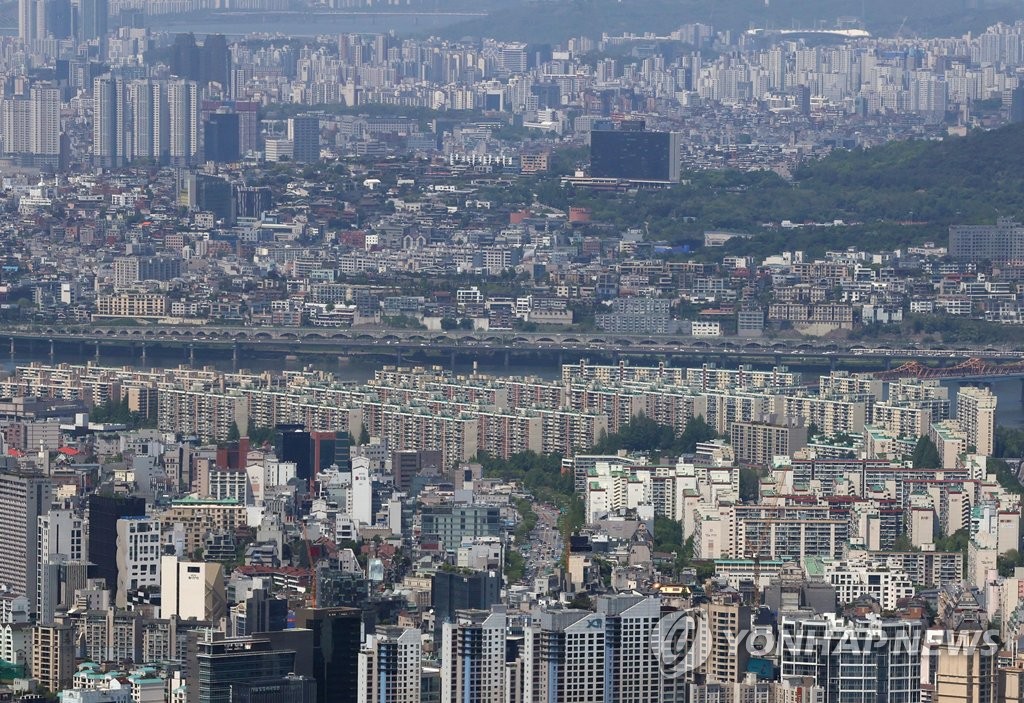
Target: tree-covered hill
point(930, 183)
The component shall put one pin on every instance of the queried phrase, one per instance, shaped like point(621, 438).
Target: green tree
point(1008, 561)
point(233, 433)
point(903, 544)
point(750, 485)
point(668, 534)
point(1005, 476)
point(515, 566)
point(926, 455)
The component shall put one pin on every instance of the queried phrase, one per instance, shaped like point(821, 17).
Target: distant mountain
point(558, 20)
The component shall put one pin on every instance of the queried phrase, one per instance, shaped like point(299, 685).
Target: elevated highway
point(136, 340)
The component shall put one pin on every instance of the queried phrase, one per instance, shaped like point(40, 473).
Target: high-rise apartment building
point(31, 126)
point(976, 413)
point(855, 660)
point(109, 137)
point(390, 666)
point(633, 663)
point(183, 116)
point(564, 657)
point(147, 107)
point(53, 655)
point(473, 657)
point(138, 557)
point(60, 540)
point(23, 498)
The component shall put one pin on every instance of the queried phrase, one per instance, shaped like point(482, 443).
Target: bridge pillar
point(451, 360)
point(398, 356)
point(1022, 390)
point(561, 360)
point(234, 354)
point(97, 355)
point(51, 350)
point(506, 358)
point(142, 351)
point(832, 363)
point(191, 354)
point(12, 347)
point(888, 363)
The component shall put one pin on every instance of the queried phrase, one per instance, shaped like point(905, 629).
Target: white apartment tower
point(473, 657)
point(138, 556)
point(976, 413)
point(390, 666)
point(564, 657)
point(150, 135)
point(60, 539)
point(109, 136)
point(183, 121)
point(23, 498)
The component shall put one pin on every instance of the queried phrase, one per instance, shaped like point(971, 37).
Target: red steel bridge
point(969, 368)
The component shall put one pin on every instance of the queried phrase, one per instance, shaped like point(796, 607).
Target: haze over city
point(501, 352)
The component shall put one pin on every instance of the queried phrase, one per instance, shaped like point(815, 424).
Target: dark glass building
point(331, 448)
point(337, 637)
point(220, 138)
point(293, 443)
point(216, 665)
point(104, 512)
point(304, 131)
point(451, 591)
point(290, 689)
point(635, 155)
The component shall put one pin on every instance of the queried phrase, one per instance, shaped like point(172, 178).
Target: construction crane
point(312, 564)
point(756, 554)
point(899, 32)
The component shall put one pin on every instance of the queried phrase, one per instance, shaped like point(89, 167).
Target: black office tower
point(58, 18)
point(331, 448)
point(104, 512)
point(293, 443)
point(213, 194)
point(337, 637)
point(635, 155)
point(1017, 105)
point(92, 20)
point(216, 664)
point(304, 131)
point(215, 61)
point(451, 591)
point(220, 138)
point(290, 689)
point(185, 57)
point(252, 201)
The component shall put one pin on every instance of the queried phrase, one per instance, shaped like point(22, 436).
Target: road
point(339, 341)
point(544, 550)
